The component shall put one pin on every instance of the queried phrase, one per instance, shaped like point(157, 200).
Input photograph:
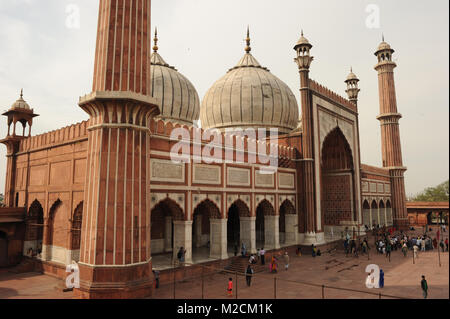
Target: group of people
point(350, 247)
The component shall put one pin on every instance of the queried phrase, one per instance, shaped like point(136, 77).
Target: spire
point(155, 48)
point(248, 48)
point(21, 93)
point(382, 37)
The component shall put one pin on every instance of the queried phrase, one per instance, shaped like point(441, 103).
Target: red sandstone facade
point(106, 194)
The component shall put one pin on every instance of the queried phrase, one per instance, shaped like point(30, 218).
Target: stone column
point(272, 232)
point(218, 239)
point(248, 233)
point(198, 231)
point(182, 237)
point(291, 232)
point(168, 235)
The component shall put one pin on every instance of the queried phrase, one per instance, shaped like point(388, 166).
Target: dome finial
point(248, 48)
point(21, 93)
point(155, 48)
point(302, 32)
point(382, 36)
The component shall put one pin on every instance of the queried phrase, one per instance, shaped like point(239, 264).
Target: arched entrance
point(337, 180)
point(3, 249)
point(202, 239)
point(163, 216)
point(382, 211)
point(267, 226)
point(288, 223)
point(239, 227)
point(390, 221)
point(77, 221)
point(34, 234)
point(367, 220)
point(375, 213)
point(57, 233)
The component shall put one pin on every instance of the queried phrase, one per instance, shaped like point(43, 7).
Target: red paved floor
point(402, 278)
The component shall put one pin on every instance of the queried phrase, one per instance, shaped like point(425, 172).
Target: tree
point(439, 193)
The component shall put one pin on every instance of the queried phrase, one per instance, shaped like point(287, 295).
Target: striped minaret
point(390, 132)
point(115, 259)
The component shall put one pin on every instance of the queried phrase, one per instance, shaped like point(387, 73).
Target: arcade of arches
point(210, 236)
point(56, 238)
point(377, 213)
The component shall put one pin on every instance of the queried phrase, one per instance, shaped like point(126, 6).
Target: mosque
point(106, 194)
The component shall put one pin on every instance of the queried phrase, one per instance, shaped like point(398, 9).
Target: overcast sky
point(204, 38)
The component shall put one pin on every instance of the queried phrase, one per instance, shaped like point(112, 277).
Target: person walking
point(424, 286)
point(442, 245)
point(423, 244)
point(435, 243)
point(381, 281)
point(262, 252)
point(388, 250)
point(416, 252)
point(404, 249)
point(243, 250)
point(156, 274)
point(230, 287)
point(248, 275)
point(286, 260)
point(446, 244)
point(314, 250)
point(181, 255)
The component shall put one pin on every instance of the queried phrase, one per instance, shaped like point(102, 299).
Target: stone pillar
point(248, 233)
point(182, 237)
point(272, 232)
point(197, 231)
point(291, 230)
point(115, 255)
point(168, 235)
point(218, 239)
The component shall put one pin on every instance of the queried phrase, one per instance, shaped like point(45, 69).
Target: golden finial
point(248, 47)
point(155, 48)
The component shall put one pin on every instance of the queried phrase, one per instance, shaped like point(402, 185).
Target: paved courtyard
point(402, 279)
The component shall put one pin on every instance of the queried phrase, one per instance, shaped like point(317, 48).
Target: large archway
point(238, 227)
point(34, 234)
point(202, 241)
point(163, 216)
point(337, 180)
point(267, 227)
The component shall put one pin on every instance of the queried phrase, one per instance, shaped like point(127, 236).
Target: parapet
point(64, 135)
point(324, 91)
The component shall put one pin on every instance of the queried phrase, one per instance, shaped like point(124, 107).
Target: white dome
point(249, 96)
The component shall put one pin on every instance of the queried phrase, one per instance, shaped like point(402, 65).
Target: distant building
point(427, 213)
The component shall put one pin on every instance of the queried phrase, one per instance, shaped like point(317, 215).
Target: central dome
point(249, 96)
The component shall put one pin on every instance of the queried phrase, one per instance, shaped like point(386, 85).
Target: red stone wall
point(336, 203)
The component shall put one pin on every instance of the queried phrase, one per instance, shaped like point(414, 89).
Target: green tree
point(433, 194)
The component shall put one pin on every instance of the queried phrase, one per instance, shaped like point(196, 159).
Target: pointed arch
point(241, 207)
point(35, 222)
point(366, 204)
point(77, 221)
point(374, 204)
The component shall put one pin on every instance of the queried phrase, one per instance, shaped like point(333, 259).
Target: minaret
point(304, 60)
point(390, 132)
point(20, 112)
point(115, 255)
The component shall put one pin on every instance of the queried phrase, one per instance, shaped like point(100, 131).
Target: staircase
point(239, 265)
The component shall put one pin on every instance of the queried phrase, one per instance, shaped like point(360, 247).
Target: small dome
point(352, 77)
point(302, 42)
point(21, 104)
point(384, 46)
point(179, 101)
point(249, 96)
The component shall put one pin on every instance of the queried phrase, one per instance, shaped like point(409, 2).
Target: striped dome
point(249, 96)
point(179, 101)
